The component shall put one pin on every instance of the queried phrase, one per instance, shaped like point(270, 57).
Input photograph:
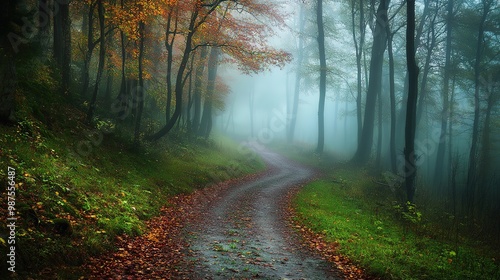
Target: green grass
point(372, 230)
point(70, 173)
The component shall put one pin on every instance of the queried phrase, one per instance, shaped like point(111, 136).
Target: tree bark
point(392, 97)
point(200, 68)
point(62, 43)
point(43, 25)
point(298, 76)
point(379, 130)
point(402, 112)
point(122, 99)
point(359, 54)
point(100, 67)
point(169, 45)
point(322, 77)
point(431, 43)
point(140, 90)
point(440, 172)
point(409, 151)
point(179, 82)
point(88, 26)
point(377, 58)
point(472, 172)
point(8, 74)
point(206, 119)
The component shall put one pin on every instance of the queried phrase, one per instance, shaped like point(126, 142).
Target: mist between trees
point(335, 71)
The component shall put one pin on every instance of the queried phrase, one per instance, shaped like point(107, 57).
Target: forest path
point(236, 229)
point(244, 233)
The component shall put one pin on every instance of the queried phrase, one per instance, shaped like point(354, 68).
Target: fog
point(259, 107)
point(272, 96)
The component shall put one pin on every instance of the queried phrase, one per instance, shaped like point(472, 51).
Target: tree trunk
point(402, 112)
point(392, 97)
point(62, 43)
point(440, 170)
point(472, 172)
point(450, 138)
point(322, 77)
point(8, 74)
point(485, 154)
point(206, 119)
point(43, 25)
point(109, 72)
point(379, 130)
point(298, 76)
point(88, 26)
point(188, 119)
point(179, 82)
point(359, 55)
point(122, 100)
point(100, 67)
point(422, 96)
point(377, 58)
point(140, 90)
point(197, 89)
point(169, 45)
point(409, 151)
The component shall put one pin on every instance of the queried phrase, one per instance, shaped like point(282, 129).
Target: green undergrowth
point(360, 214)
point(71, 205)
point(79, 186)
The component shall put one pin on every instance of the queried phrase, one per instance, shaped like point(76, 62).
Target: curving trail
point(244, 235)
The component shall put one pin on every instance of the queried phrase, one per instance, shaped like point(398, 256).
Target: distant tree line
point(127, 60)
point(453, 90)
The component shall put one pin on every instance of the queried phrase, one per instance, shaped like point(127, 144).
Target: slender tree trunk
point(140, 90)
point(8, 73)
point(62, 43)
point(392, 97)
point(472, 172)
point(379, 130)
point(179, 80)
point(109, 72)
point(450, 132)
point(402, 112)
point(170, 34)
point(377, 58)
point(43, 25)
point(189, 121)
point(422, 96)
point(359, 54)
point(100, 67)
point(298, 76)
point(206, 119)
point(322, 77)
point(123, 109)
point(440, 170)
point(409, 151)
point(197, 89)
point(485, 154)
point(88, 26)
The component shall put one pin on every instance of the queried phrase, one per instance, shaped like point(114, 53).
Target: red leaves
point(158, 253)
point(155, 254)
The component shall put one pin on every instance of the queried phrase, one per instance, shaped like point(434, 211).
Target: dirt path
point(244, 235)
point(234, 230)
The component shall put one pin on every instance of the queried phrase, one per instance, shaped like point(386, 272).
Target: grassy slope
point(363, 218)
point(78, 188)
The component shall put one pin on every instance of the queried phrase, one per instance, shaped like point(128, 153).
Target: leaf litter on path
point(237, 229)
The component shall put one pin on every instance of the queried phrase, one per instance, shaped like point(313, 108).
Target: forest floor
point(238, 229)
